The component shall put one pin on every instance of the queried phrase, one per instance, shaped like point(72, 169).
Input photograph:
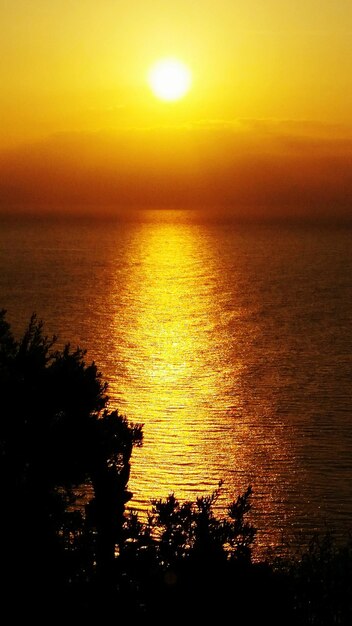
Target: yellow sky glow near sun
point(80, 69)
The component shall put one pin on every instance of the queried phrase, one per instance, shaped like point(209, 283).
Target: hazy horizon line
point(177, 214)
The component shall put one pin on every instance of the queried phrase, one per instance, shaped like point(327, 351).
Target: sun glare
point(169, 79)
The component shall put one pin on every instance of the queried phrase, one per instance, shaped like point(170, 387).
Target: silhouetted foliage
point(190, 530)
point(56, 433)
point(183, 552)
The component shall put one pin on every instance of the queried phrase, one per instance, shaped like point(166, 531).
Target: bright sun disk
point(169, 79)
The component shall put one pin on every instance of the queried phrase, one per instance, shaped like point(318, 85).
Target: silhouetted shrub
point(185, 552)
point(188, 530)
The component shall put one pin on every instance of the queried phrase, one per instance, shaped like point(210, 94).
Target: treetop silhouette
point(57, 433)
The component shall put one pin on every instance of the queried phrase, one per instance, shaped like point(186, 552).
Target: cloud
point(248, 168)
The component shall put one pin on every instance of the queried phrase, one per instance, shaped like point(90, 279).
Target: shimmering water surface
point(231, 344)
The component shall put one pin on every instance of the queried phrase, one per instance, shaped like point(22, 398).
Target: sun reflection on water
point(183, 356)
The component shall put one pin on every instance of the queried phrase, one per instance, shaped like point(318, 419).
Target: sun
point(169, 79)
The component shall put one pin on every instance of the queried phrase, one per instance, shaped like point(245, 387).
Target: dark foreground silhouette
point(61, 559)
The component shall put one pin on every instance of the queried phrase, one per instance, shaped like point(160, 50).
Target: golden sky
point(267, 122)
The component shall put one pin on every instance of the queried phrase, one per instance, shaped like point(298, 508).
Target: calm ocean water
point(231, 344)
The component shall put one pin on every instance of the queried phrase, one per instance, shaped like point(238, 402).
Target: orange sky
point(266, 129)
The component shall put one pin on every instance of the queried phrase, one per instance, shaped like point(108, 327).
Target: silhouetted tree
point(56, 433)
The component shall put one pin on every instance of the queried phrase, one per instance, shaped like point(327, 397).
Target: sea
point(230, 342)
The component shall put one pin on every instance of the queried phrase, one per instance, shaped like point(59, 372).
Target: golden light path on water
point(181, 374)
point(231, 344)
